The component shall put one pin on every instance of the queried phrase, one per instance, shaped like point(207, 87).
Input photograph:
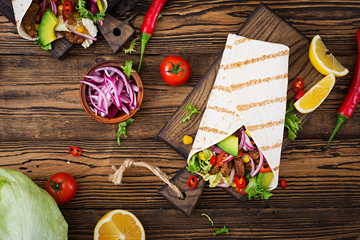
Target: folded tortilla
point(20, 8)
point(249, 90)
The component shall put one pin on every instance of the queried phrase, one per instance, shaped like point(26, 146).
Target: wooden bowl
point(121, 115)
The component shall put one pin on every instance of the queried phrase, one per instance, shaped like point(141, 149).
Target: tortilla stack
point(249, 90)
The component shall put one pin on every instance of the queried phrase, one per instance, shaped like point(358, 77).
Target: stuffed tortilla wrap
point(44, 21)
point(238, 143)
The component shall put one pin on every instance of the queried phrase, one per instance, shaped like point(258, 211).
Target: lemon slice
point(119, 225)
point(323, 60)
point(316, 95)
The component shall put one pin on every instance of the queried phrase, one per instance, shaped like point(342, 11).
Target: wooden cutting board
point(111, 27)
point(262, 24)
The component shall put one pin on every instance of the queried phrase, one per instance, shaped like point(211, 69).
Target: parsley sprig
point(191, 109)
point(292, 121)
point(222, 230)
point(127, 68)
point(122, 129)
point(131, 48)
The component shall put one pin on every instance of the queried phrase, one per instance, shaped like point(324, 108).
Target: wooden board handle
point(116, 32)
point(191, 196)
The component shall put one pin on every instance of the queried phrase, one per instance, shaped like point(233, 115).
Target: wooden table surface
point(41, 116)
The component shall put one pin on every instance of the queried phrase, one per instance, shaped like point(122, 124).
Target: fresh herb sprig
point(128, 68)
point(85, 13)
point(122, 129)
point(131, 48)
point(191, 109)
point(222, 230)
point(292, 121)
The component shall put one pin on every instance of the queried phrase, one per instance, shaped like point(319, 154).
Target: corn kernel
point(60, 9)
point(233, 184)
point(245, 158)
point(187, 140)
point(247, 133)
point(36, 26)
point(80, 29)
point(76, 14)
point(201, 156)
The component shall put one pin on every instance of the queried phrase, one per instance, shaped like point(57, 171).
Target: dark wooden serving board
point(262, 24)
point(61, 47)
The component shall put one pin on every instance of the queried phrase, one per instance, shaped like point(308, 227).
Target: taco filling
point(235, 162)
point(48, 20)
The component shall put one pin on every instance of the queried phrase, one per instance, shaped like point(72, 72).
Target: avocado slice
point(230, 145)
point(266, 179)
point(47, 28)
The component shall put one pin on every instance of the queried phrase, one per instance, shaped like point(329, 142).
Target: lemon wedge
point(323, 60)
point(316, 95)
point(119, 224)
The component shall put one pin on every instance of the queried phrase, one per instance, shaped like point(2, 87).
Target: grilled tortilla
point(249, 90)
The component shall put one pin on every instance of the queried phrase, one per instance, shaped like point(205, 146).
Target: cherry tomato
point(175, 70)
point(283, 183)
point(62, 187)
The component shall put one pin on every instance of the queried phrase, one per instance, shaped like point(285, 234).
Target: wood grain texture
point(41, 116)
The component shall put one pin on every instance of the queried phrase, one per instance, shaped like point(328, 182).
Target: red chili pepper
point(191, 183)
point(213, 160)
point(240, 190)
point(298, 85)
point(67, 7)
point(299, 95)
point(265, 170)
point(352, 98)
point(240, 182)
point(283, 183)
point(75, 151)
point(148, 25)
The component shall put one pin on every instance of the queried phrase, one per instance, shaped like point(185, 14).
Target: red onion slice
point(216, 149)
point(242, 138)
point(224, 185)
point(76, 32)
point(111, 87)
point(229, 158)
point(53, 7)
point(100, 92)
point(248, 142)
point(252, 164)
point(42, 10)
point(261, 162)
point(93, 103)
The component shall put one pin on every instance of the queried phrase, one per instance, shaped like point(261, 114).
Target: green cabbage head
point(28, 212)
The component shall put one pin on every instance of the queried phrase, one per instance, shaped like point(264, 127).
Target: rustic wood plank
point(41, 117)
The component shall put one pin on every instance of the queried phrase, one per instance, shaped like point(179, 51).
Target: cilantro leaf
point(292, 121)
point(85, 13)
point(212, 223)
point(222, 230)
point(192, 109)
point(122, 129)
point(131, 47)
point(127, 68)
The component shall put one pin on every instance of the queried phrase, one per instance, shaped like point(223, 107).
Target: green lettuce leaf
point(254, 189)
point(27, 211)
point(214, 180)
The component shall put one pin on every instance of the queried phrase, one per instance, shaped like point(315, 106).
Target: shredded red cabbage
point(110, 92)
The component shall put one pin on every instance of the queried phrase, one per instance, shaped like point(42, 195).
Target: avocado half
point(47, 28)
point(230, 145)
